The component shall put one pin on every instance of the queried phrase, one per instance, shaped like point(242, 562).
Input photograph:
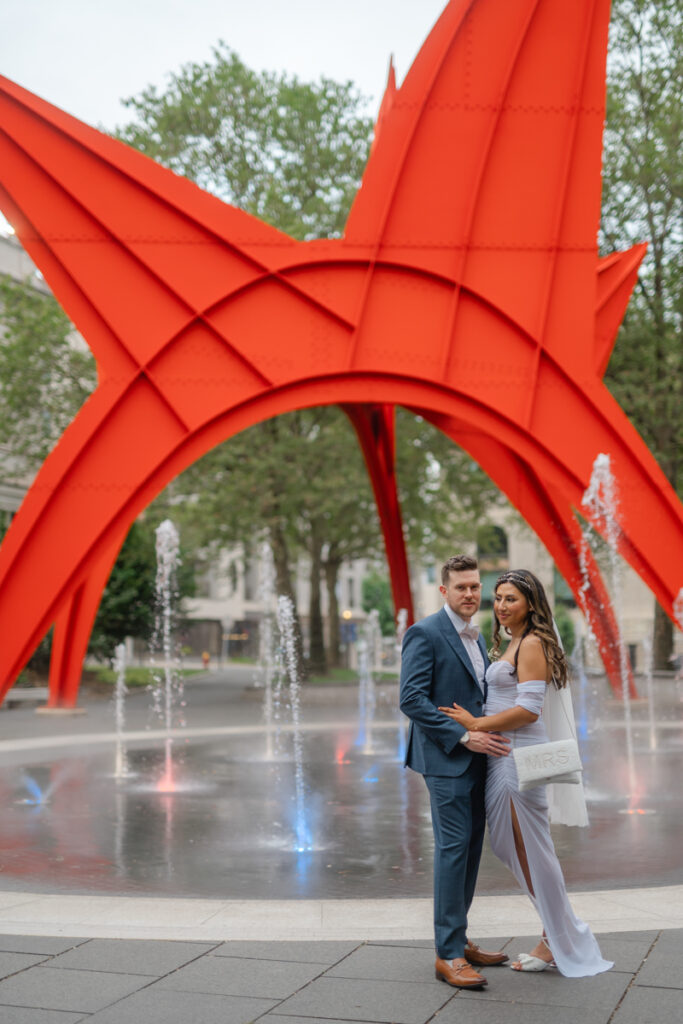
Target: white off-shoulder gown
point(571, 941)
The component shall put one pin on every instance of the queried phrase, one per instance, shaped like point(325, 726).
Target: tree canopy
point(642, 201)
point(287, 151)
point(44, 377)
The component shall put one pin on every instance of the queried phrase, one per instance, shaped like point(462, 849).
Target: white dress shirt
point(471, 646)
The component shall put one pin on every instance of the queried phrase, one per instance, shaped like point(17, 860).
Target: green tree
point(377, 595)
point(299, 481)
point(45, 376)
point(642, 195)
point(287, 151)
point(566, 629)
point(445, 496)
point(128, 603)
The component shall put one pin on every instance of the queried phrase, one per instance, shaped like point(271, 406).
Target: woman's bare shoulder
point(532, 663)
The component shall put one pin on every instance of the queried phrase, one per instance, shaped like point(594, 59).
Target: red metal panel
point(467, 285)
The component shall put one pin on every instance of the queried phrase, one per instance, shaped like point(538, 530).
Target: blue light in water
point(401, 752)
point(303, 838)
point(582, 723)
point(36, 793)
point(371, 775)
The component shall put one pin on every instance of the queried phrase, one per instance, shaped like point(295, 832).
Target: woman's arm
point(532, 670)
point(504, 721)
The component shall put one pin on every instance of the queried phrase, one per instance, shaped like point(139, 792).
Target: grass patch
point(136, 675)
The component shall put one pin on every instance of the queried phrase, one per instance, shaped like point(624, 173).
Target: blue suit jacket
point(435, 672)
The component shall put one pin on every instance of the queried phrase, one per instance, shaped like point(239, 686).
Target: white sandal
point(528, 962)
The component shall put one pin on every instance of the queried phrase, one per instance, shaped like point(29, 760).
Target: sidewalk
point(48, 980)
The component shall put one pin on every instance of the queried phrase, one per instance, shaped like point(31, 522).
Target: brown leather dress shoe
point(480, 958)
point(458, 973)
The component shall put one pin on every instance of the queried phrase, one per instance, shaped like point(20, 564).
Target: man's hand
point(488, 743)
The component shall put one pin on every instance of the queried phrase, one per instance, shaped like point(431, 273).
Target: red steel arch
point(467, 285)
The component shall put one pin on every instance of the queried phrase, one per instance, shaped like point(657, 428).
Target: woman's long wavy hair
point(539, 621)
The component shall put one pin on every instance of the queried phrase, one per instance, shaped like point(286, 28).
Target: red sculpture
point(467, 287)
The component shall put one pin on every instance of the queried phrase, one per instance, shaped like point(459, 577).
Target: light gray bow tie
point(470, 631)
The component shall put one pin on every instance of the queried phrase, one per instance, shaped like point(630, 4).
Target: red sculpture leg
point(374, 425)
point(72, 629)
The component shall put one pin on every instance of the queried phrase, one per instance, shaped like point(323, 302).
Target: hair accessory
point(512, 577)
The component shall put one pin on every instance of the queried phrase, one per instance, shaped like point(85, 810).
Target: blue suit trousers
point(459, 822)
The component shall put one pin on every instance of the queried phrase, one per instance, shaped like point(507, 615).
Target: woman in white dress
point(531, 672)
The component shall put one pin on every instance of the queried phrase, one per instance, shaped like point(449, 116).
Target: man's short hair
point(457, 563)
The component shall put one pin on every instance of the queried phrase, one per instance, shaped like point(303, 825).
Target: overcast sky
point(86, 55)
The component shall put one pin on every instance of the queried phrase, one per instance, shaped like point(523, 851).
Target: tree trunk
point(662, 640)
point(331, 577)
point(285, 588)
point(317, 663)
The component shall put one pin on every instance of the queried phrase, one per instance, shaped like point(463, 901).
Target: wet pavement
point(215, 814)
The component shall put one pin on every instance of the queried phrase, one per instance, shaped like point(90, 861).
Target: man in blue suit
point(444, 661)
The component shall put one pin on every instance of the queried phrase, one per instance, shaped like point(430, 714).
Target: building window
point(492, 548)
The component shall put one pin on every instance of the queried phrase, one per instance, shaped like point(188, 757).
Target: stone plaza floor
point(183, 891)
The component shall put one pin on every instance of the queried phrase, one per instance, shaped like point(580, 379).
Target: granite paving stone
point(294, 952)
point(385, 964)
point(12, 963)
point(352, 1000)
point(650, 1006)
point(661, 970)
point(131, 956)
point(47, 944)
point(276, 1018)
point(469, 1011)
point(414, 943)
point(30, 1015)
point(154, 1006)
point(46, 988)
point(271, 979)
point(550, 989)
point(626, 950)
point(670, 942)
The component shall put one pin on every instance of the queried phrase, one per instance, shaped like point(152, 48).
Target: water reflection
point(201, 817)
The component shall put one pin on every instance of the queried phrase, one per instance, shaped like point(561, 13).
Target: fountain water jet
point(121, 770)
point(285, 621)
point(268, 665)
point(401, 625)
point(168, 559)
point(601, 501)
point(648, 657)
point(367, 697)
